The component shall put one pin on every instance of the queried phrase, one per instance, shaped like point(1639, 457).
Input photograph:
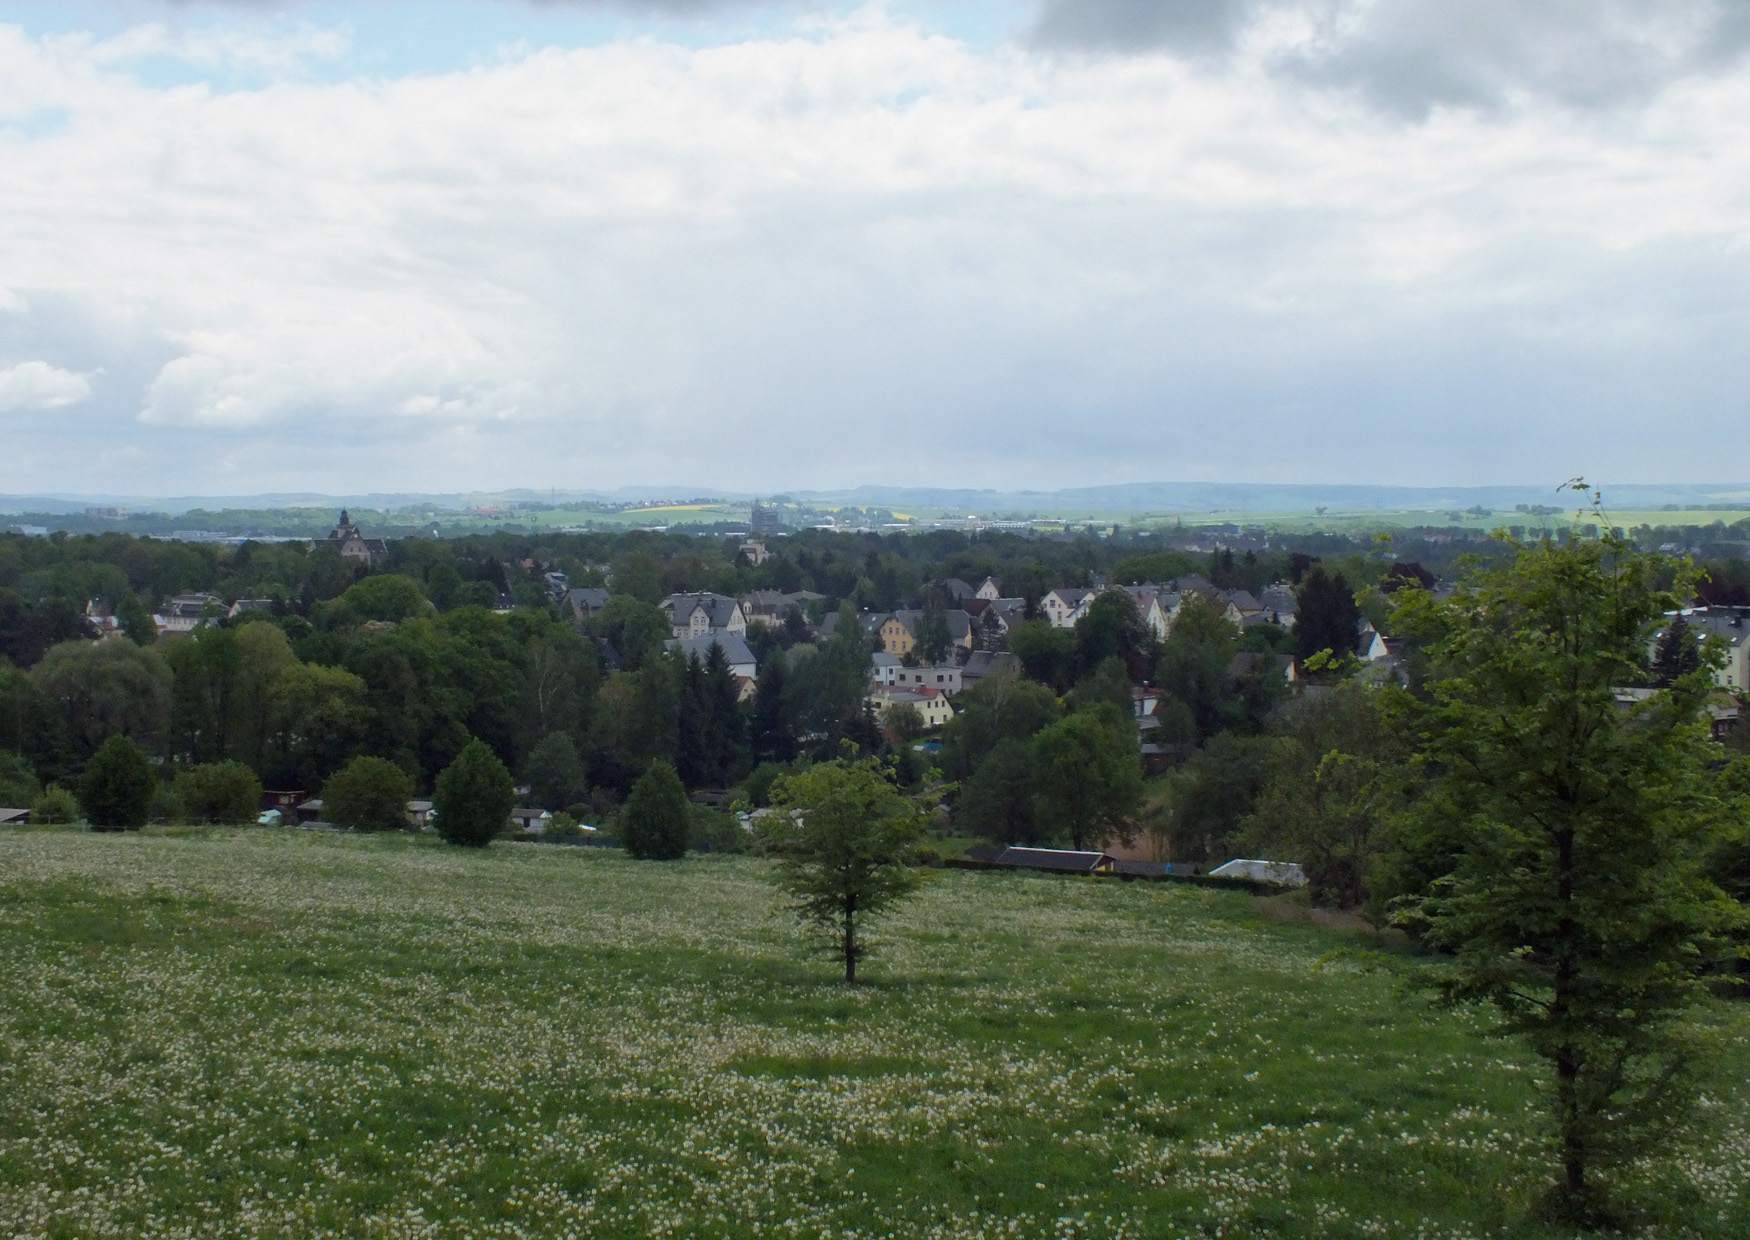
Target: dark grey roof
point(988, 663)
point(735, 650)
point(959, 623)
point(1054, 859)
point(587, 599)
point(719, 609)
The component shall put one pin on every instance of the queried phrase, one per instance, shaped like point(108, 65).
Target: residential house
point(958, 591)
point(772, 608)
point(735, 651)
point(884, 669)
point(1370, 647)
point(694, 615)
point(1730, 626)
point(1278, 605)
point(582, 603)
point(100, 615)
point(989, 590)
point(1062, 607)
point(1255, 663)
point(754, 551)
point(945, 678)
point(899, 631)
point(184, 613)
point(934, 707)
point(983, 663)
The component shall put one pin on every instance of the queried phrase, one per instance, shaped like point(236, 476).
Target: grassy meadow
point(213, 1033)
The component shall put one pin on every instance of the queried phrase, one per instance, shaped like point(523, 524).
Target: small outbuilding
point(13, 817)
point(1063, 860)
point(1283, 873)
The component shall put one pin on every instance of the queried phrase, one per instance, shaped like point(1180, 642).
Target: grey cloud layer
point(1409, 56)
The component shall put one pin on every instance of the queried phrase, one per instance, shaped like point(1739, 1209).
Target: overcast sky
point(763, 244)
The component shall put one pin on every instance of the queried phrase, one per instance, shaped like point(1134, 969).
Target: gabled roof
point(735, 650)
point(719, 609)
point(959, 623)
point(587, 598)
point(1055, 859)
point(988, 663)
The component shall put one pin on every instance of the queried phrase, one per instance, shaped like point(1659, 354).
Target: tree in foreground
point(116, 791)
point(654, 820)
point(845, 839)
point(1575, 831)
point(473, 798)
point(369, 794)
point(215, 792)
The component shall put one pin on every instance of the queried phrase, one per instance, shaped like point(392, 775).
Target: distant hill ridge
point(1130, 497)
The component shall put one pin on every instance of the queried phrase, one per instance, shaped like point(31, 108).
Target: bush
point(217, 792)
point(117, 788)
point(166, 805)
point(563, 826)
point(56, 804)
point(474, 797)
point(711, 830)
point(18, 782)
point(655, 819)
point(368, 794)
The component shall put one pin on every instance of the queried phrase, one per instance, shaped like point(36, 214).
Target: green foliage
point(387, 597)
point(903, 722)
point(1327, 617)
point(18, 782)
point(997, 802)
point(713, 831)
point(166, 805)
point(55, 805)
point(107, 688)
point(1047, 654)
point(1110, 629)
point(136, 620)
point(554, 772)
point(998, 708)
point(636, 628)
point(845, 841)
point(1107, 684)
point(217, 792)
point(656, 819)
point(1336, 777)
point(1193, 664)
point(474, 796)
point(1576, 901)
point(116, 790)
point(1209, 797)
point(1088, 777)
point(369, 794)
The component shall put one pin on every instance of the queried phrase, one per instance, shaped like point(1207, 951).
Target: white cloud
point(36, 387)
point(863, 251)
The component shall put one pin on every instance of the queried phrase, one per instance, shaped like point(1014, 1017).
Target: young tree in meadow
point(1088, 777)
point(1576, 901)
point(369, 794)
point(473, 798)
point(845, 839)
point(228, 792)
point(654, 821)
point(116, 791)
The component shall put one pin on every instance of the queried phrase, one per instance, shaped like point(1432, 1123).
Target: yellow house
point(896, 638)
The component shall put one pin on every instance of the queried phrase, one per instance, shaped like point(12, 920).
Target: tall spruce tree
point(653, 822)
point(1327, 617)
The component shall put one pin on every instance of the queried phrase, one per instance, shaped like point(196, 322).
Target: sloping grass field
point(256, 1033)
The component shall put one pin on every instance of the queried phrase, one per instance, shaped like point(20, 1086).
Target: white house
point(945, 678)
point(1063, 606)
point(884, 669)
point(989, 590)
point(694, 615)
